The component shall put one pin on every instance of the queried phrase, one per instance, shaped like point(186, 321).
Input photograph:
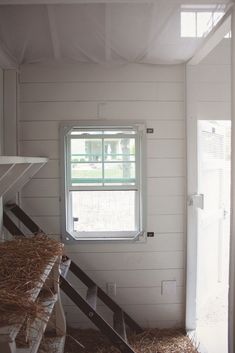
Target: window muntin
point(103, 183)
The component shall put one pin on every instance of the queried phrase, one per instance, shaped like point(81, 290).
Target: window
point(103, 193)
point(196, 23)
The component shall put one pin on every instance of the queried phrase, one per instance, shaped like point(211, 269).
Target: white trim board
point(231, 341)
point(192, 220)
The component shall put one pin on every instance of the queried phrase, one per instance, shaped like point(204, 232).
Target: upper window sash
point(102, 181)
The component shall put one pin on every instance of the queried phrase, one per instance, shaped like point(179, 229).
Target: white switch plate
point(168, 288)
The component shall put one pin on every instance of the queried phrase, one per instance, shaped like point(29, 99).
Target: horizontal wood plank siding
point(210, 82)
point(137, 278)
point(98, 91)
point(90, 73)
point(142, 313)
point(155, 95)
point(138, 296)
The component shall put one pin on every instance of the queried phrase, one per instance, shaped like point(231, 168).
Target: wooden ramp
point(116, 333)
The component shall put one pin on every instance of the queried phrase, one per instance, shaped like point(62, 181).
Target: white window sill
point(129, 237)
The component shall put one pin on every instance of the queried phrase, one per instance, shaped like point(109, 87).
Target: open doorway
point(210, 208)
point(214, 165)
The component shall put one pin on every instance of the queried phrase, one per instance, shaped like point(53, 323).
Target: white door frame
point(192, 214)
point(232, 231)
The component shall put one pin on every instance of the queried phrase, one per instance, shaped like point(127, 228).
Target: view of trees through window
point(103, 160)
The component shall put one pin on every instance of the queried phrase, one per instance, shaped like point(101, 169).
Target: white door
point(209, 217)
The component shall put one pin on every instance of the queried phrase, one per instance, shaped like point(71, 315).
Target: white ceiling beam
point(54, 32)
point(67, 2)
point(213, 38)
point(107, 33)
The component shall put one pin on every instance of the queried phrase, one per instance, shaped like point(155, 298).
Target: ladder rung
point(119, 324)
point(24, 218)
point(64, 267)
point(79, 273)
point(10, 226)
point(91, 296)
point(98, 320)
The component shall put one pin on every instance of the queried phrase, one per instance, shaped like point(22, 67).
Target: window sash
point(133, 182)
point(103, 188)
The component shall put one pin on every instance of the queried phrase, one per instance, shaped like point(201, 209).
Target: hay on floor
point(149, 341)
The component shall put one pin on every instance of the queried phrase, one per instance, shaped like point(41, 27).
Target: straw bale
point(22, 263)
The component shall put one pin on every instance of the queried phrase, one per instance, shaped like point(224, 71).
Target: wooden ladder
point(116, 334)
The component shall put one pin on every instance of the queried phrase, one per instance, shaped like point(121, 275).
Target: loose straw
point(149, 341)
point(22, 263)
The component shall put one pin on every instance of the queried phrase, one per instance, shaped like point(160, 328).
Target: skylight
point(197, 22)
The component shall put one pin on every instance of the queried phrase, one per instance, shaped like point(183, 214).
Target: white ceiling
point(98, 32)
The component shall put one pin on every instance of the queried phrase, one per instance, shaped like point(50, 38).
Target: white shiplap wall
point(155, 94)
point(210, 84)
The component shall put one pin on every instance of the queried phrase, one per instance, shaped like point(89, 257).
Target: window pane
point(86, 150)
point(119, 173)
point(103, 210)
point(88, 173)
point(119, 149)
point(188, 24)
point(204, 23)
